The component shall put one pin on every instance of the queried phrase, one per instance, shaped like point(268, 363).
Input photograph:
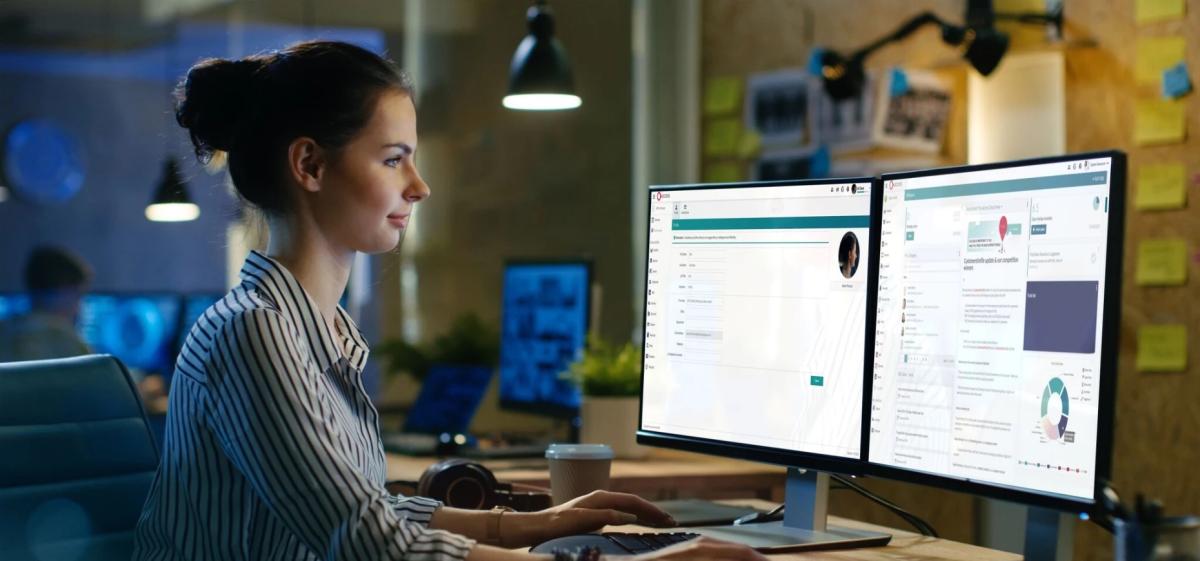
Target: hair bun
point(212, 100)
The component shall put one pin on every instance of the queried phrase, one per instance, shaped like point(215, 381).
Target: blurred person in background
point(56, 281)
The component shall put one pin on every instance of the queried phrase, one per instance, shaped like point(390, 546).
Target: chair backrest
point(76, 459)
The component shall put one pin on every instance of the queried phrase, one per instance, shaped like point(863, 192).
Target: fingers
point(582, 520)
point(646, 512)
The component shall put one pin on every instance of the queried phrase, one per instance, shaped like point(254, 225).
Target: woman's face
point(853, 256)
point(369, 188)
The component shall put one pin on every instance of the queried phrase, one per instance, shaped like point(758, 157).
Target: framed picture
point(779, 106)
point(916, 119)
point(845, 125)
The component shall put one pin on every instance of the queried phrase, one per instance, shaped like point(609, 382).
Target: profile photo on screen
point(848, 255)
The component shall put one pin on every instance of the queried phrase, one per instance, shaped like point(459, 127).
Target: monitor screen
point(450, 395)
point(756, 315)
point(544, 327)
point(14, 304)
point(139, 329)
point(988, 327)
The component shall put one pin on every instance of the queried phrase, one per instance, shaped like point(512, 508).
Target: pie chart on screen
point(1055, 409)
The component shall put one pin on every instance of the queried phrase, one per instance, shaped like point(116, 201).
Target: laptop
point(449, 398)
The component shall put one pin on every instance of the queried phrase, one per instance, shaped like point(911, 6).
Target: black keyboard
point(614, 543)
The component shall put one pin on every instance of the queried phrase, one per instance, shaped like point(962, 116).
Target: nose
point(416, 190)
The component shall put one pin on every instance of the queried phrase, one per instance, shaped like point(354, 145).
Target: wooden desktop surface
point(668, 474)
point(905, 545)
point(665, 474)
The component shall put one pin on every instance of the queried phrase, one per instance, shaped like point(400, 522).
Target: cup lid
point(579, 452)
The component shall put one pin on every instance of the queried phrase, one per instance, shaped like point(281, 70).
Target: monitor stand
point(804, 522)
point(1049, 535)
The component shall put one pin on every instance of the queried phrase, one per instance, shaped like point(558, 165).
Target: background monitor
point(544, 326)
point(14, 304)
point(449, 398)
point(755, 321)
point(995, 327)
point(139, 329)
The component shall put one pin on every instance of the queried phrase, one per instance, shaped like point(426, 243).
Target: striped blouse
point(272, 447)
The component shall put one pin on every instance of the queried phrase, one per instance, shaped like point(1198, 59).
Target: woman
point(272, 447)
point(848, 255)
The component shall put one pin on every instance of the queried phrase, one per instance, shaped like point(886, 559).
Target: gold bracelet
point(493, 527)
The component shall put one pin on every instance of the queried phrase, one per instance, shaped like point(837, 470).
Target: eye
point(394, 162)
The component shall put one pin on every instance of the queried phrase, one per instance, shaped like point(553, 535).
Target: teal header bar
point(772, 223)
point(1009, 186)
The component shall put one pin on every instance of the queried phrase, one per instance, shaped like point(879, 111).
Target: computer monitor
point(544, 325)
point(756, 338)
point(139, 329)
point(755, 321)
point(995, 332)
point(449, 398)
point(14, 304)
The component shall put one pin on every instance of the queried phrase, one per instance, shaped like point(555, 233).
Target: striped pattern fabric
point(272, 446)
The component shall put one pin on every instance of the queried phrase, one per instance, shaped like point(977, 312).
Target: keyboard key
point(635, 543)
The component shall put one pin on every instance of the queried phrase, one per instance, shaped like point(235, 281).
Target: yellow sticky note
point(1161, 187)
point(722, 94)
point(722, 137)
point(722, 172)
point(1159, 121)
point(1158, 10)
point(1162, 262)
point(749, 145)
point(1156, 54)
point(1162, 348)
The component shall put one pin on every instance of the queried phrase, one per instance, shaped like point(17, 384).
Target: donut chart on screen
point(1054, 423)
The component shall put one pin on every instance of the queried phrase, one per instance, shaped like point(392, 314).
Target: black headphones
point(465, 484)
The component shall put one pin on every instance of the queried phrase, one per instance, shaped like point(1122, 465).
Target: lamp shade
point(171, 201)
point(987, 47)
point(540, 75)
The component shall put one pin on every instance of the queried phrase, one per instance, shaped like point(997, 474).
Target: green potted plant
point(610, 378)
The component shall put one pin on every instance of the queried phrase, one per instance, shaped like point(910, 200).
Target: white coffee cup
point(578, 469)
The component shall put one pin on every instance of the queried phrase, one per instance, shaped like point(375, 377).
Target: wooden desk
point(664, 475)
point(905, 545)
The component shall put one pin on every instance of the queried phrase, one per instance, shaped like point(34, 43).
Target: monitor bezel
point(765, 454)
point(1108, 343)
point(544, 408)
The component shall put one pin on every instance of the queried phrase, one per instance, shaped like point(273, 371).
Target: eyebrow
point(403, 146)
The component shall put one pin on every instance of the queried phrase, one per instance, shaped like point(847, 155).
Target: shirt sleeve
point(267, 413)
point(417, 509)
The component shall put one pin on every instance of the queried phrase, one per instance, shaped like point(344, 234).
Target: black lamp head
point(985, 47)
point(842, 77)
point(171, 202)
point(540, 75)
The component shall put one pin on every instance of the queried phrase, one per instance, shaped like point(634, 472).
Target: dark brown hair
point(49, 269)
point(254, 107)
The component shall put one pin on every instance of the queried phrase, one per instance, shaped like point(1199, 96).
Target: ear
point(306, 163)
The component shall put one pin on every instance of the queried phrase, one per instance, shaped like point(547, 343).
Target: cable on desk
point(922, 526)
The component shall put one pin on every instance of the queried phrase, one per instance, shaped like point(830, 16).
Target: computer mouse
point(578, 542)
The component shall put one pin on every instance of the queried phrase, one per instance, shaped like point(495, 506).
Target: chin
point(384, 243)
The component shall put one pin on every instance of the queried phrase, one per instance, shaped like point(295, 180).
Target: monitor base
point(774, 537)
point(803, 527)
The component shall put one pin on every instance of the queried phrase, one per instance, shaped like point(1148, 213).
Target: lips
point(398, 219)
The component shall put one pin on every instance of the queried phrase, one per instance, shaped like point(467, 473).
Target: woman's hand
point(703, 549)
point(585, 514)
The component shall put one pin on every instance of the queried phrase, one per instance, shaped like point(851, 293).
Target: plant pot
point(612, 421)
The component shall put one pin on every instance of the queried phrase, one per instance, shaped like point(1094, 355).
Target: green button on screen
point(817, 380)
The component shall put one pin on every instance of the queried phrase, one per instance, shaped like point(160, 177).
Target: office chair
point(78, 459)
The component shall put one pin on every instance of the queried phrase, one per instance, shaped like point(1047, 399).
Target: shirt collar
point(271, 279)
